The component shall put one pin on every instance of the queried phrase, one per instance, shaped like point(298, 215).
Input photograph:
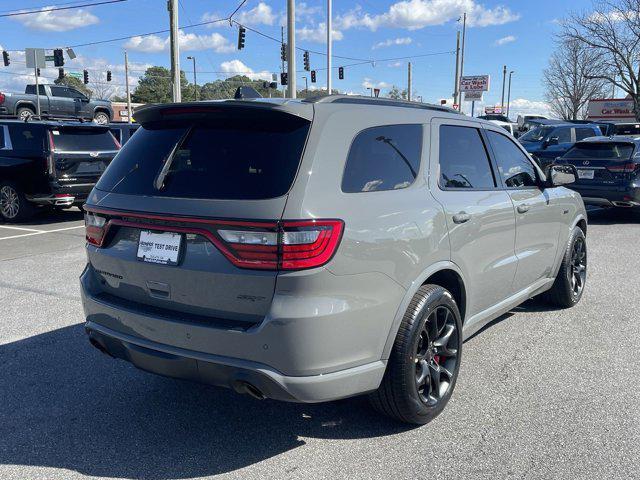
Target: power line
point(55, 9)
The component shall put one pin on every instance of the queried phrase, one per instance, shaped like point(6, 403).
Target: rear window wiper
point(159, 181)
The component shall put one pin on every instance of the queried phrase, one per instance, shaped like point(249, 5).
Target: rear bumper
point(63, 195)
point(609, 196)
point(234, 373)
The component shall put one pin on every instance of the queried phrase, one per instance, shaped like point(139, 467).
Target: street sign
point(376, 92)
point(77, 75)
point(274, 77)
point(489, 110)
point(35, 58)
point(473, 96)
point(475, 82)
point(49, 58)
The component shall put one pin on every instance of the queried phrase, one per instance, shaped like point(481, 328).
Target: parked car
point(46, 163)
point(524, 124)
point(509, 127)
point(547, 142)
point(608, 170)
point(320, 249)
point(57, 101)
point(631, 129)
point(123, 131)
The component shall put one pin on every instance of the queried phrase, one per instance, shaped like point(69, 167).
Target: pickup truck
point(55, 101)
point(50, 164)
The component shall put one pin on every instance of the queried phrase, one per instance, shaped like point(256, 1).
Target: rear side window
point(77, 140)
point(582, 133)
point(562, 134)
point(604, 151)
point(515, 168)
point(224, 159)
point(27, 137)
point(383, 158)
point(31, 89)
point(464, 162)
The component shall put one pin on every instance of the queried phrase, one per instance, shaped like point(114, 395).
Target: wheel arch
point(102, 109)
point(446, 274)
point(25, 104)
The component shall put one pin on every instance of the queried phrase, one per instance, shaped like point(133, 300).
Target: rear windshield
point(606, 151)
point(215, 160)
point(629, 129)
point(83, 140)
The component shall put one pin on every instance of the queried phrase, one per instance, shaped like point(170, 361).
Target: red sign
point(376, 92)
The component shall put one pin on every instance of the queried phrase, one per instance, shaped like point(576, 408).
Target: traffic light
point(58, 58)
point(284, 78)
point(307, 66)
point(85, 75)
point(38, 72)
point(108, 75)
point(241, 34)
point(341, 73)
point(60, 73)
point(313, 76)
point(5, 58)
point(283, 52)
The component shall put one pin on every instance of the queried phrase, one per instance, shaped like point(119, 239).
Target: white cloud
point(417, 14)
point(368, 83)
point(57, 21)
point(522, 106)
point(237, 67)
point(188, 42)
point(393, 41)
point(396, 64)
point(261, 14)
point(504, 40)
point(318, 33)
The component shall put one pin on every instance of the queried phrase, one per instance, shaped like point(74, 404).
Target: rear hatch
point(80, 154)
point(187, 217)
point(603, 163)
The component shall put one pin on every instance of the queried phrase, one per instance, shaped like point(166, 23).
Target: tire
point(23, 113)
point(101, 118)
point(569, 284)
point(14, 207)
point(426, 352)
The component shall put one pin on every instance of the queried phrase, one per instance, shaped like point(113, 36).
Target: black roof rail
point(388, 102)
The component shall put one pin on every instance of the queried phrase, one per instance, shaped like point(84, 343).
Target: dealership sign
point(611, 109)
point(474, 83)
point(473, 96)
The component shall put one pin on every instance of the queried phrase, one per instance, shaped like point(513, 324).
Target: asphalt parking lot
point(541, 393)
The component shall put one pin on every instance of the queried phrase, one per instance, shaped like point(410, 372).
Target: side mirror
point(558, 175)
point(84, 99)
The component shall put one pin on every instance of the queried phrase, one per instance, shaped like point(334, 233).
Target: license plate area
point(586, 174)
point(159, 247)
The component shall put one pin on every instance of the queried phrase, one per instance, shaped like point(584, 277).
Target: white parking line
point(41, 232)
point(20, 228)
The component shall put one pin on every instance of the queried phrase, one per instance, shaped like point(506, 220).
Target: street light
point(509, 92)
point(195, 81)
point(371, 90)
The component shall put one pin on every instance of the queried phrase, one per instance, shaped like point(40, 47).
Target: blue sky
point(516, 33)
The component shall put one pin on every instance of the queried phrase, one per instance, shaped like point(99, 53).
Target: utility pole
point(409, 81)
point(306, 85)
point(172, 6)
point(282, 58)
point(464, 36)
point(35, 71)
point(456, 80)
point(329, 22)
point(195, 79)
point(509, 93)
point(126, 80)
point(291, 54)
point(504, 78)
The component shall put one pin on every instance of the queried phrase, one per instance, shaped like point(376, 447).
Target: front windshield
point(537, 134)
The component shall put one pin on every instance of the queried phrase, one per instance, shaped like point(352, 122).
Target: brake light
point(94, 228)
point(622, 168)
point(290, 245)
point(50, 163)
point(2, 98)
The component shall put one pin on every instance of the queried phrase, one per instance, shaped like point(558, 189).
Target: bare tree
point(612, 32)
point(102, 89)
point(569, 79)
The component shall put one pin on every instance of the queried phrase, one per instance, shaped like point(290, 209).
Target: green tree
point(220, 89)
point(397, 94)
point(75, 83)
point(155, 87)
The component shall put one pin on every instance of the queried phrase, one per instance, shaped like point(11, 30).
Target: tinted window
point(582, 133)
point(59, 91)
point(536, 135)
point(226, 159)
point(514, 166)
point(604, 151)
point(383, 158)
point(32, 89)
point(77, 140)
point(27, 137)
point(627, 129)
point(563, 134)
point(464, 162)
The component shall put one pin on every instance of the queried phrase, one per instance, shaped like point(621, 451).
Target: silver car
point(319, 249)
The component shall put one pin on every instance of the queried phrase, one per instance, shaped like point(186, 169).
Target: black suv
point(50, 163)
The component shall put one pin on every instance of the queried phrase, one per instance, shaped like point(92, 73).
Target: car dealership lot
point(541, 394)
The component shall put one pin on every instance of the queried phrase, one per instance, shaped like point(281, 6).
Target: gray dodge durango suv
point(320, 249)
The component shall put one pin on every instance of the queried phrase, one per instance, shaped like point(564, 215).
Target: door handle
point(523, 208)
point(461, 217)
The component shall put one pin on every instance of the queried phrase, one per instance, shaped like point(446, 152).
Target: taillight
point(94, 228)
point(289, 245)
point(51, 168)
point(2, 98)
point(622, 168)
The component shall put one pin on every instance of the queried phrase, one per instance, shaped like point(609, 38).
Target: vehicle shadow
point(46, 216)
point(613, 216)
point(65, 405)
